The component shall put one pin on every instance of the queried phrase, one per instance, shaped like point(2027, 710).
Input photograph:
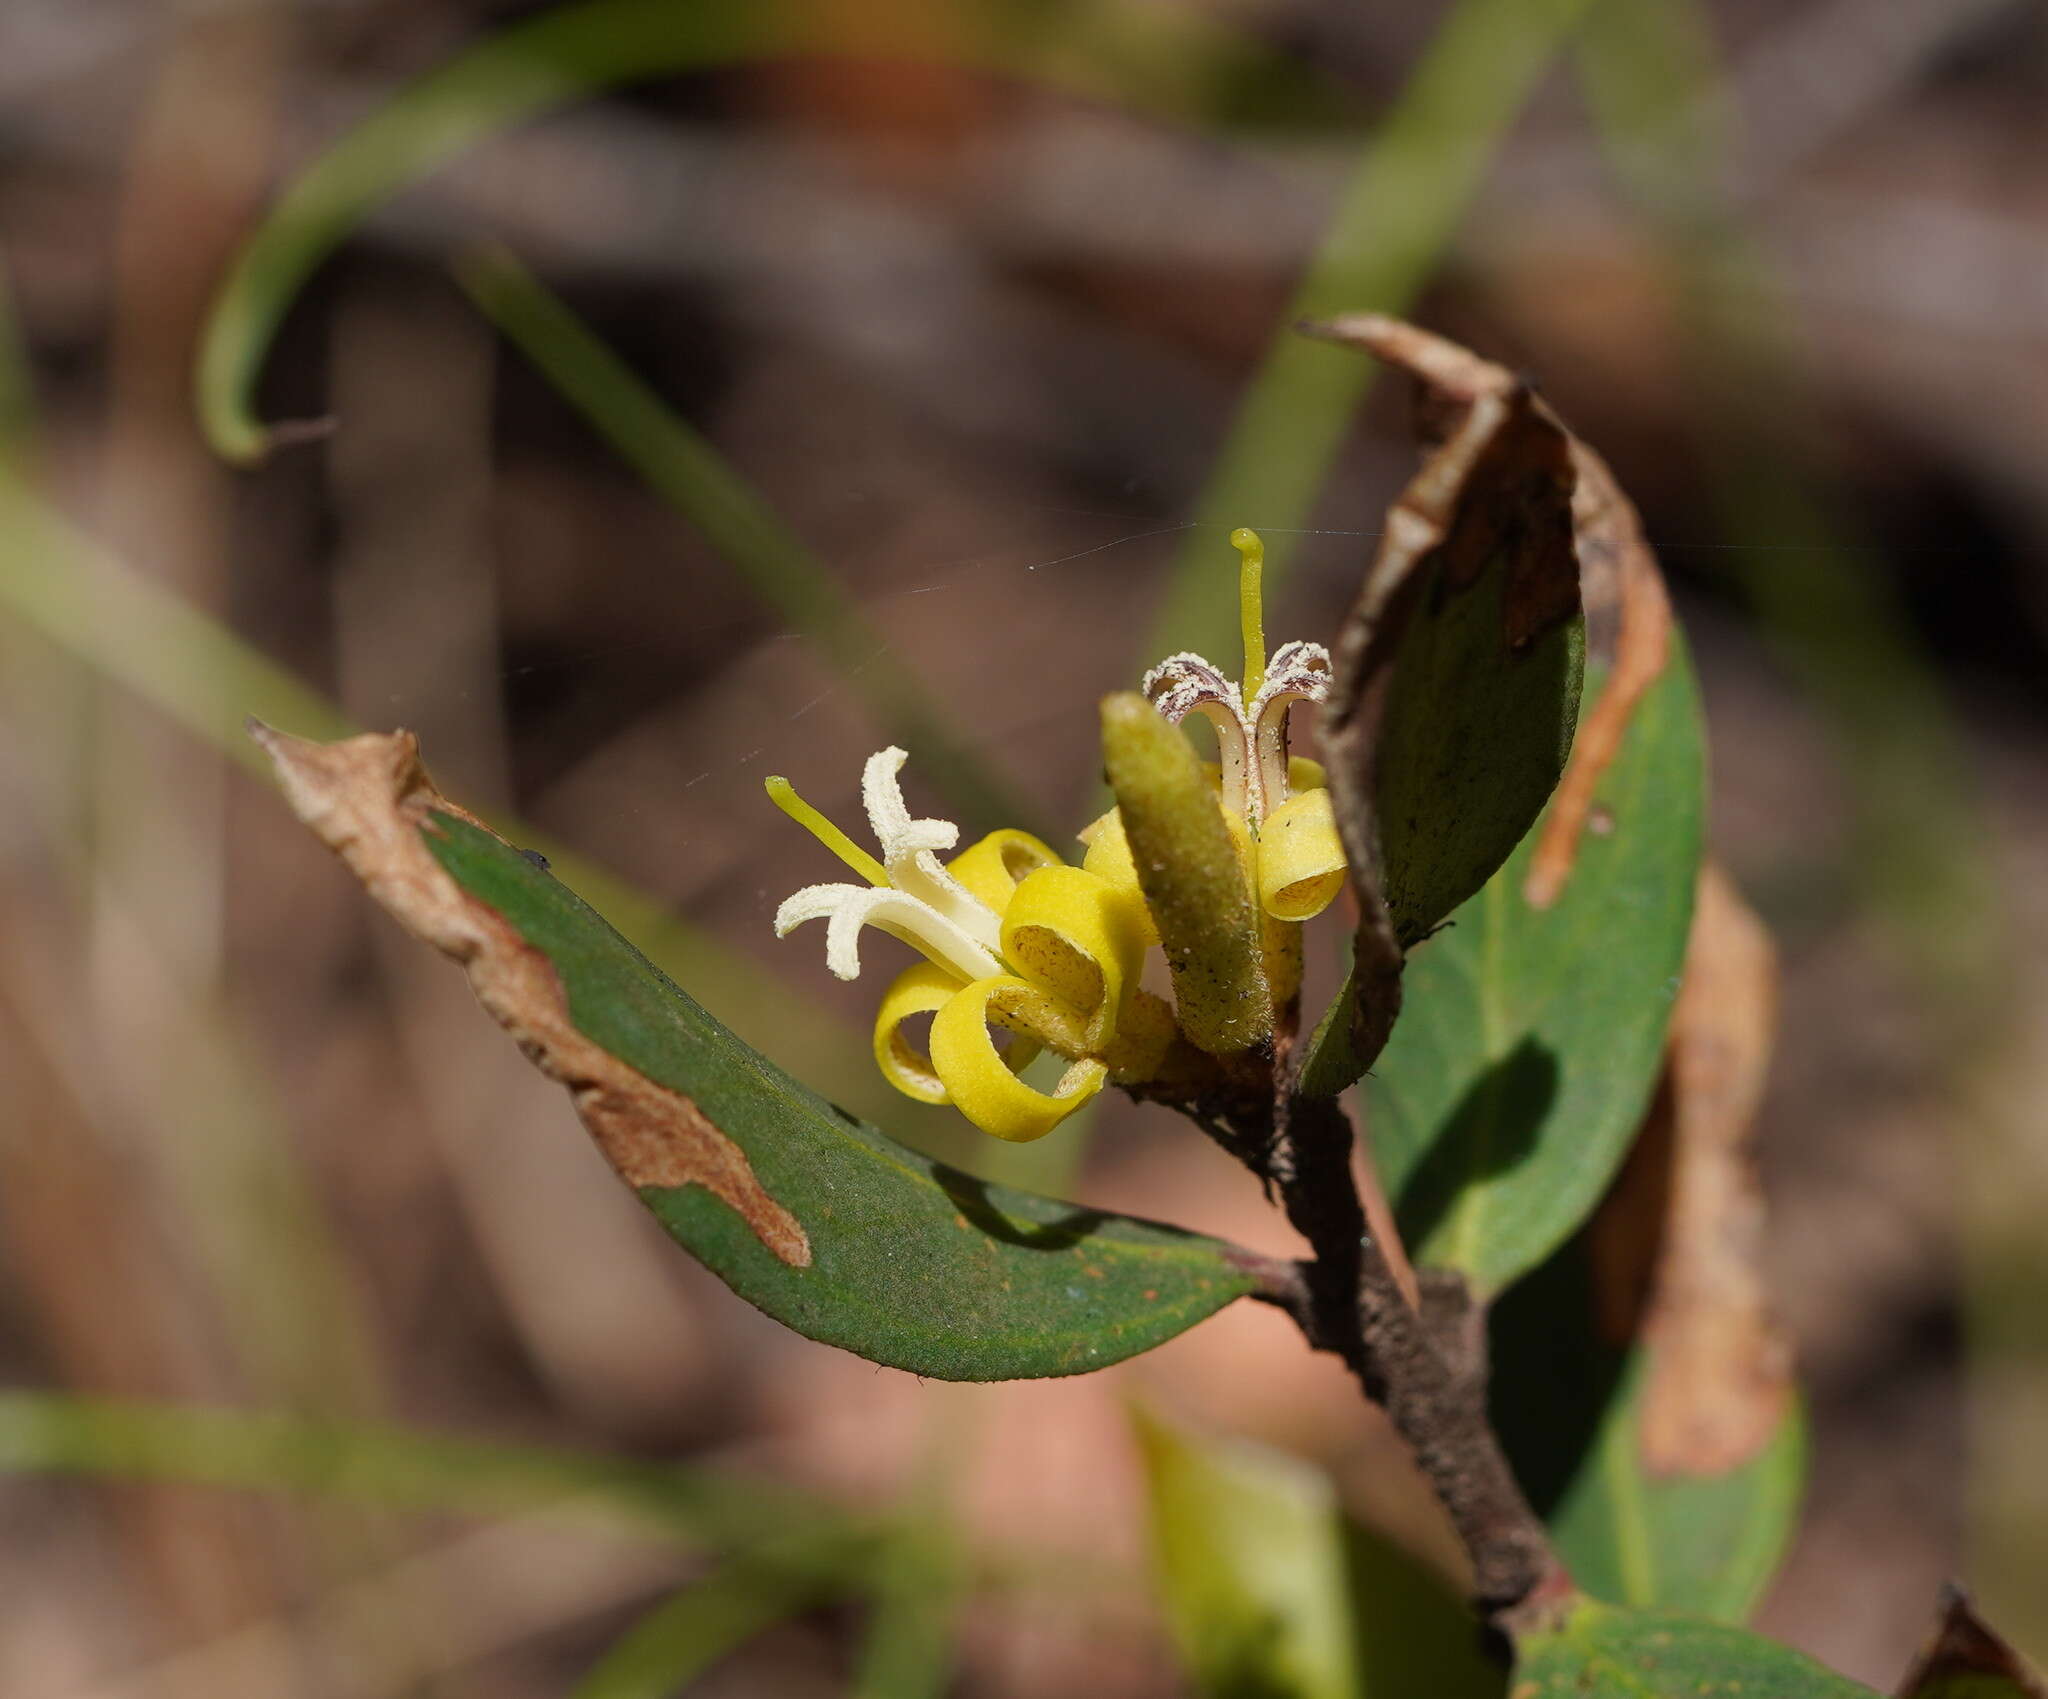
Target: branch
point(1425, 1368)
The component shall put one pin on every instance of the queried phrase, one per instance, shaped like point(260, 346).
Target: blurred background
point(719, 390)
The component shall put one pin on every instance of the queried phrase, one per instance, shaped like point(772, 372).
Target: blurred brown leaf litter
point(976, 344)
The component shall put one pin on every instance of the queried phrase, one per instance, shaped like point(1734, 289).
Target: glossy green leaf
point(913, 1264)
point(1619, 1654)
point(805, 1210)
point(1530, 1039)
point(1568, 1408)
point(1474, 739)
point(1457, 671)
point(1249, 1548)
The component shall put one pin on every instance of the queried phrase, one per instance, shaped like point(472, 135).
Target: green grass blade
point(113, 1439)
point(685, 469)
point(1137, 55)
point(1396, 217)
point(192, 668)
point(687, 1633)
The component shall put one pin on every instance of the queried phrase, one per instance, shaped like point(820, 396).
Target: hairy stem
point(1424, 1365)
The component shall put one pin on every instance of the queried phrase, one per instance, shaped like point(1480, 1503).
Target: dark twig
point(1426, 1369)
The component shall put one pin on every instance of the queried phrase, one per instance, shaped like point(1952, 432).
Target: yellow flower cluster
point(1018, 942)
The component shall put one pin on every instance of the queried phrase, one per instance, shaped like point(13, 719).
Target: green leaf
point(1457, 671)
point(1530, 1038)
point(1272, 1592)
point(1569, 1407)
point(1474, 739)
point(1415, 1635)
point(1653, 1655)
point(806, 1211)
point(1249, 1549)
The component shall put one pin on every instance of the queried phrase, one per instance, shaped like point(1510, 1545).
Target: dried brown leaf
point(1495, 483)
point(369, 800)
point(1627, 612)
point(1966, 1659)
point(1678, 1245)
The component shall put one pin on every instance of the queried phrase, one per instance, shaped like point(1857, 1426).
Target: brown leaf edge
point(1624, 589)
point(1475, 417)
point(1963, 1652)
point(1678, 1244)
point(369, 800)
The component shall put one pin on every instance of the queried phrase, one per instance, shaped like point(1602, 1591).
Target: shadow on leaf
point(1493, 1128)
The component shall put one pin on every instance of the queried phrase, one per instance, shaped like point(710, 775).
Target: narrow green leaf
point(1568, 1407)
point(804, 1210)
point(1250, 1554)
point(1530, 1038)
point(1652, 1655)
point(268, 1451)
point(1124, 54)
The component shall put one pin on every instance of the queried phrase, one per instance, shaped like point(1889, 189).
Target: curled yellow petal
point(993, 868)
point(1144, 1034)
point(1109, 859)
point(1301, 860)
point(1081, 939)
point(921, 990)
point(1304, 775)
point(978, 1078)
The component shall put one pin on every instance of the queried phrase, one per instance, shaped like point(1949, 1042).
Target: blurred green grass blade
point(146, 638)
point(919, 1588)
point(1392, 225)
point(686, 1634)
point(114, 1439)
point(1249, 1550)
point(191, 667)
point(682, 466)
point(1147, 56)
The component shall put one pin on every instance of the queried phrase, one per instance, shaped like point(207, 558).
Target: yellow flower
point(1013, 939)
point(1018, 942)
point(1277, 806)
